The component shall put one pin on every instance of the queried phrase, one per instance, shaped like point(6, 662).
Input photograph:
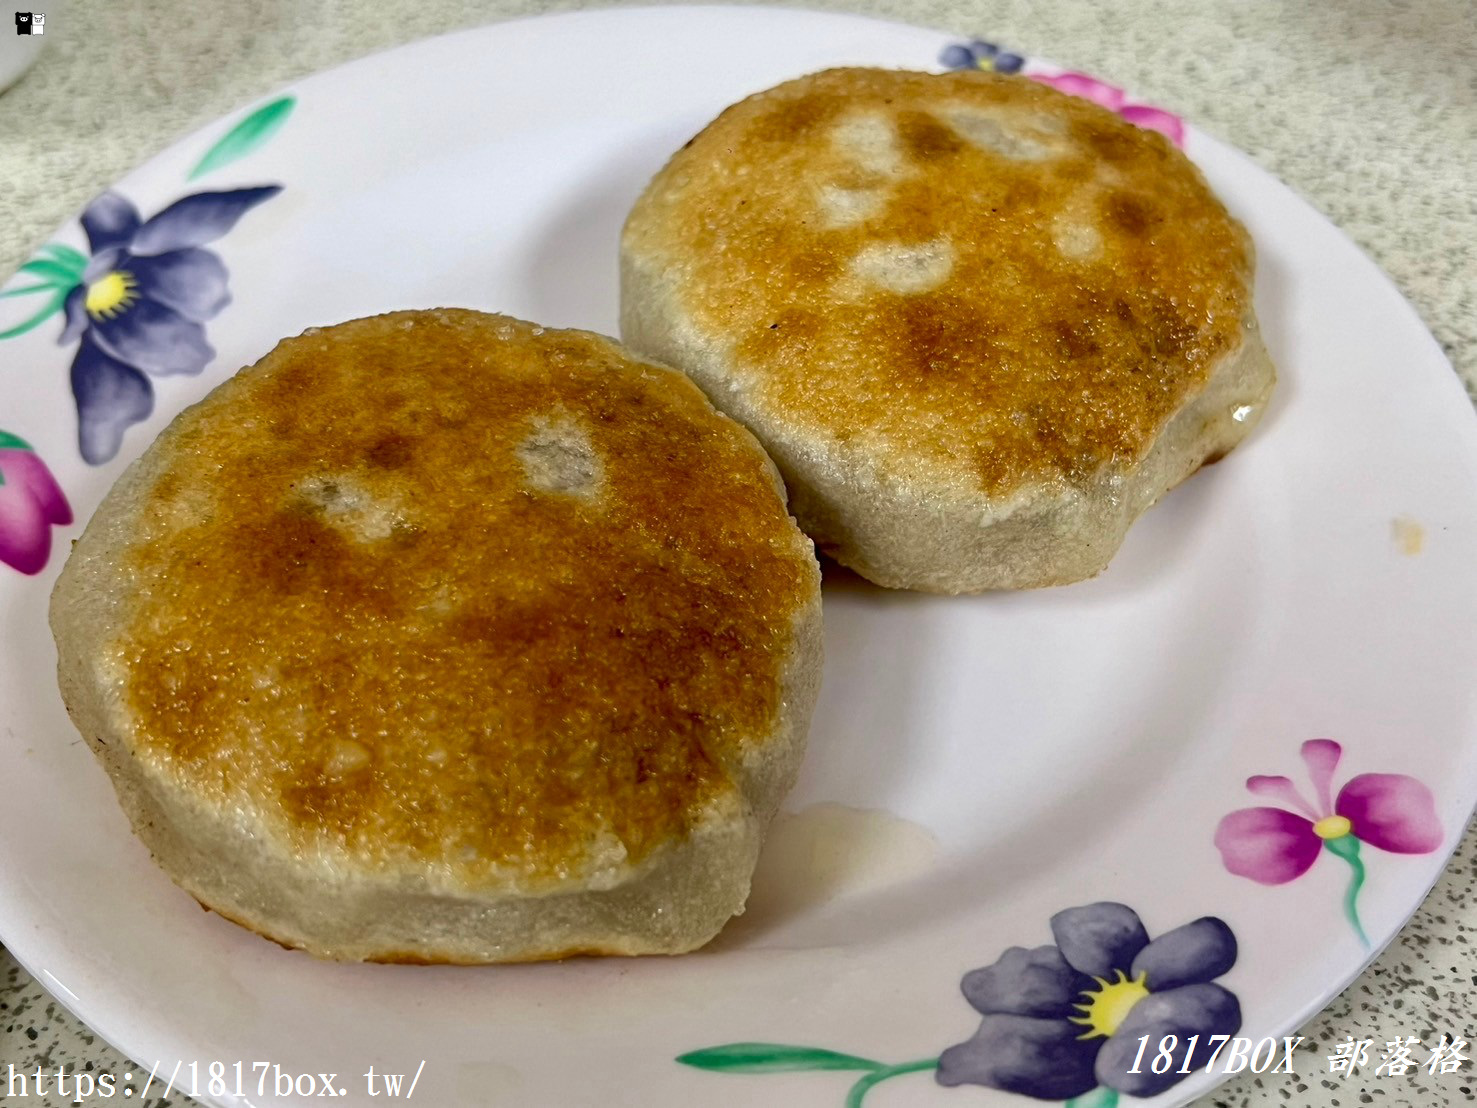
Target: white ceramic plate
point(976, 766)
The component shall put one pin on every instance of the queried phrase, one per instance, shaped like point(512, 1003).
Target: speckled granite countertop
point(1368, 108)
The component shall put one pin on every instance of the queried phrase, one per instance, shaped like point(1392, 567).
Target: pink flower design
point(1115, 100)
point(31, 503)
point(1273, 846)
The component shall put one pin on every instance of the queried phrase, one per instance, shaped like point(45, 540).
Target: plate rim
point(9, 924)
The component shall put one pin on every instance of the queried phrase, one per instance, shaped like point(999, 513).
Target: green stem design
point(1101, 1097)
point(876, 1077)
point(54, 305)
point(1347, 848)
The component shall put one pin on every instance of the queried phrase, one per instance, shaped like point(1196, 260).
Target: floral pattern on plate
point(137, 305)
point(1063, 1022)
point(31, 504)
point(1272, 846)
point(978, 54)
point(141, 303)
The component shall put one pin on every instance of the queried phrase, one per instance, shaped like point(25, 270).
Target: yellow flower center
point(1332, 827)
point(1109, 1005)
point(111, 294)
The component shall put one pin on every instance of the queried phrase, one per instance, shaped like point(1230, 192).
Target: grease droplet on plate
point(1408, 534)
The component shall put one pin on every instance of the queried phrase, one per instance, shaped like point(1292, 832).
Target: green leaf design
point(66, 255)
point(246, 136)
point(40, 317)
point(13, 442)
point(772, 1058)
point(60, 274)
point(55, 272)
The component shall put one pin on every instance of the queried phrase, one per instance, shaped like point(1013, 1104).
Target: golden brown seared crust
point(967, 272)
point(452, 600)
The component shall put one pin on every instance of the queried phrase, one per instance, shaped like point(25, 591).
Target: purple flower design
point(1273, 846)
point(1060, 1021)
point(978, 54)
point(140, 306)
point(137, 307)
point(1114, 99)
point(31, 504)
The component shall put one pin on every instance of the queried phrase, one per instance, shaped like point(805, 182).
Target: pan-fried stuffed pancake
point(437, 636)
point(979, 324)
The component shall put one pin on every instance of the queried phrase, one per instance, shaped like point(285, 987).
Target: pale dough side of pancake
point(925, 532)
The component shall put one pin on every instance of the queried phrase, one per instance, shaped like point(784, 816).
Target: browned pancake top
point(444, 588)
point(1060, 281)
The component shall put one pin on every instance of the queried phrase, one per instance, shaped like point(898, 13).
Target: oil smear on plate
point(1408, 534)
point(825, 852)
